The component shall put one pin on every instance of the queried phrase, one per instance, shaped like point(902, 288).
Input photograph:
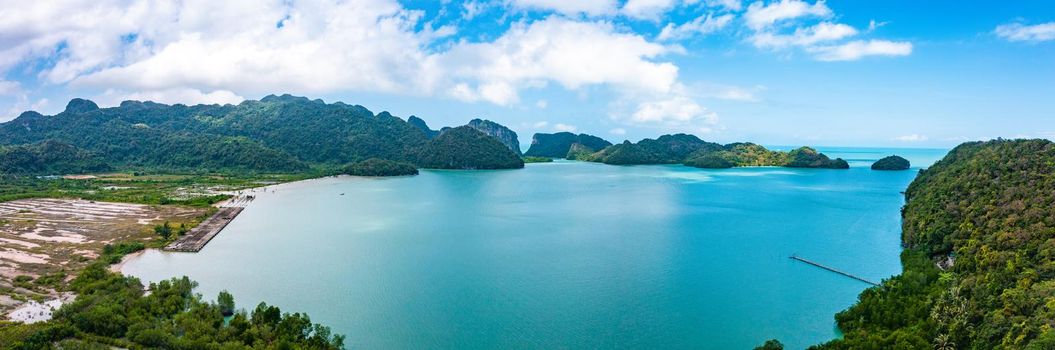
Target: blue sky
point(853, 73)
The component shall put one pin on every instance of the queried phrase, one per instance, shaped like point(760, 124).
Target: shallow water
point(563, 254)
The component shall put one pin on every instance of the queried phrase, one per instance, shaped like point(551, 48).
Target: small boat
point(342, 193)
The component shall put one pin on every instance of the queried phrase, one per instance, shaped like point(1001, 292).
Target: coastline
point(116, 268)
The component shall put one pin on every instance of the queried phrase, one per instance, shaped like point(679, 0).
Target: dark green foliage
point(380, 167)
point(538, 160)
point(625, 153)
point(771, 344)
point(226, 303)
point(986, 213)
point(164, 230)
point(467, 148)
point(421, 125)
point(49, 157)
point(559, 144)
point(499, 132)
point(711, 161)
point(891, 163)
point(112, 311)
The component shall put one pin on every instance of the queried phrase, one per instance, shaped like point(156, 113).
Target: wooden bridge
point(833, 270)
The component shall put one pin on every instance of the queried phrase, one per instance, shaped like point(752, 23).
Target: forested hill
point(979, 259)
point(277, 134)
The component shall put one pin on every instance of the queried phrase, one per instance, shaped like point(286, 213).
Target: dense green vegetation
point(114, 311)
point(559, 145)
point(49, 157)
point(197, 190)
point(979, 259)
point(380, 167)
point(771, 344)
point(538, 160)
point(467, 148)
point(891, 163)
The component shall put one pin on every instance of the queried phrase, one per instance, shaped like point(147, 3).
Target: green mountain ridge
point(275, 134)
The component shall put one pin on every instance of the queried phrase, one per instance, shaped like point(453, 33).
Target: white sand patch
point(33, 311)
point(64, 238)
point(21, 243)
point(23, 257)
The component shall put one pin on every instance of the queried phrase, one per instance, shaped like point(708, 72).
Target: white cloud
point(732, 5)
point(472, 8)
point(569, 7)
point(647, 9)
point(821, 32)
point(218, 51)
point(10, 88)
point(858, 49)
point(1021, 32)
point(726, 92)
point(701, 25)
point(617, 131)
point(772, 23)
point(541, 104)
point(873, 25)
point(540, 125)
point(560, 50)
point(911, 138)
point(759, 15)
point(672, 112)
point(564, 127)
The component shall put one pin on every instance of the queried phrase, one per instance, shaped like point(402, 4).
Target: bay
point(564, 254)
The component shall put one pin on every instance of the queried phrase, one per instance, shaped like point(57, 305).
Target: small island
point(530, 159)
point(379, 167)
point(891, 163)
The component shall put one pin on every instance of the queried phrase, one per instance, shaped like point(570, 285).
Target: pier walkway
point(200, 235)
point(833, 270)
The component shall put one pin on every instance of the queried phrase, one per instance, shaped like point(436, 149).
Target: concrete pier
point(199, 236)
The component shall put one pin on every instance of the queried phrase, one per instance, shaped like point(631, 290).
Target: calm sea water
point(563, 255)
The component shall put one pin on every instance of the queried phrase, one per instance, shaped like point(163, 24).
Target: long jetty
point(200, 235)
point(833, 270)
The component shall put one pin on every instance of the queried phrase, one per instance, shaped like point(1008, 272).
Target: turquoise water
point(564, 254)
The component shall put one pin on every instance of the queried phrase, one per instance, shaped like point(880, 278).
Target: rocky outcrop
point(498, 131)
point(578, 151)
point(80, 105)
point(559, 144)
point(891, 163)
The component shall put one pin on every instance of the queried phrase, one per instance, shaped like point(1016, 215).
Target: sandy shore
point(124, 260)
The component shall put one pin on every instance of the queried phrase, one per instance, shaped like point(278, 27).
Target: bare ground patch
point(43, 242)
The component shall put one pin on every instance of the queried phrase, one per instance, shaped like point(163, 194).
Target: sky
point(895, 73)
